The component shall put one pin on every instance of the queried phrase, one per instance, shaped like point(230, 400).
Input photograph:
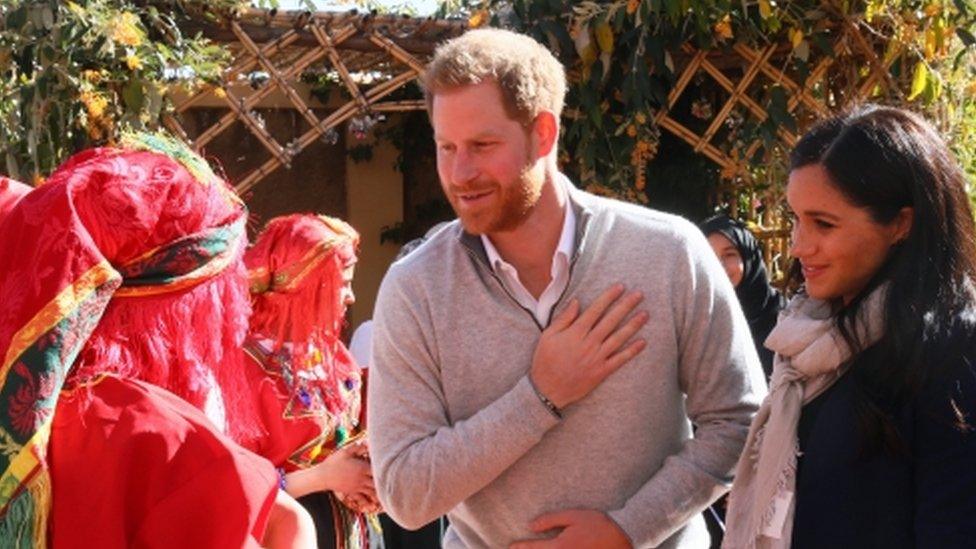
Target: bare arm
point(289, 525)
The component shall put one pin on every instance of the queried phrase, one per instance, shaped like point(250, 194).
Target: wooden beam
point(261, 34)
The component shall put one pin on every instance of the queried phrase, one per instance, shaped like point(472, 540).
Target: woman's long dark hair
point(884, 159)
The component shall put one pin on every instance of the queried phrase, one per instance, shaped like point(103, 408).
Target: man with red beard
point(539, 364)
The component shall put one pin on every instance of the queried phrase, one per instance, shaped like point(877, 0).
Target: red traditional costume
point(306, 383)
point(121, 280)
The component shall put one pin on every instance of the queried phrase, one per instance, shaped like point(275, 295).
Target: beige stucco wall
point(374, 199)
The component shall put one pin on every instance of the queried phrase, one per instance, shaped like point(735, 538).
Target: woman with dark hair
point(741, 257)
point(866, 438)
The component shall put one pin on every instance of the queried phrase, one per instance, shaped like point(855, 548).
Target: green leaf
point(933, 89)
point(673, 7)
point(919, 80)
point(596, 117)
point(967, 37)
point(47, 17)
point(133, 95)
point(778, 111)
point(958, 59)
point(823, 43)
point(559, 35)
point(17, 18)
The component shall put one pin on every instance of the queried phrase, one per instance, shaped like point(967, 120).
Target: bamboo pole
point(689, 72)
point(340, 67)
point(735, 97)
point(253, 99)
point(396, 52)
point(341, 114)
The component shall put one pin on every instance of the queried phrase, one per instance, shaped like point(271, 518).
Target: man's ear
point(545, 130)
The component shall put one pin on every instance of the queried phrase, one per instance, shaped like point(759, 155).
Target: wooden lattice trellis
point(762, 63)
point(391, 50)
point(746, 74)
point(285, 45)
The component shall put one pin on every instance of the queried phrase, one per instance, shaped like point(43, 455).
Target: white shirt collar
point(564, 249)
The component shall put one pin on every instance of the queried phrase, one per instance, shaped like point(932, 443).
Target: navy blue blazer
point(924, 497)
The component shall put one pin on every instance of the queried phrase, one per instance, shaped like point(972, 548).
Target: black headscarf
point(760, 302)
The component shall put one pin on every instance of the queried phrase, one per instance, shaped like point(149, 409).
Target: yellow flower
point(631, 131)
point(133, 62)
point(39, 180)
point(126, 31)
point(478, 19)
point(604, 37)
point(95, 103)
point(219, 92)
point(640, 118)
point(723, 29)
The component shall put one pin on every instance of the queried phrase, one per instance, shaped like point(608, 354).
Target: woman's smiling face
point(839, 245)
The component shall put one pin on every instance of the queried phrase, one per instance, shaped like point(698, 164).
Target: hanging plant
point(77, 74)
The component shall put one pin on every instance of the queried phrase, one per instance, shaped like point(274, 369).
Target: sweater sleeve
point(945, 453)
point(720, 374)
point(424, 463)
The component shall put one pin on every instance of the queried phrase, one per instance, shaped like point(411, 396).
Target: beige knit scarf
point(810, 356)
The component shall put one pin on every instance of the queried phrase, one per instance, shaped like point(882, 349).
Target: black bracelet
point(550, 405)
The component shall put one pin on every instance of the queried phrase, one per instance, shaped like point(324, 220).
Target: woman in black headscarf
point(741, 256)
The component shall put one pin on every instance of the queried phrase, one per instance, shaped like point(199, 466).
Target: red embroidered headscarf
point(295, 272)
point(10, 193)
point(128, 262)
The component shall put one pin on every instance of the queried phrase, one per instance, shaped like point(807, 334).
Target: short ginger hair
point(530, 78)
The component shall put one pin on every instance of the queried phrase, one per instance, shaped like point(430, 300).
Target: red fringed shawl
point(125, 262)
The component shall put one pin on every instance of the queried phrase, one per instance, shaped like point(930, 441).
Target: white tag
point(781, 506)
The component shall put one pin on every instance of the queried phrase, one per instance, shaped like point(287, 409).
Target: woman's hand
point(361, 502)
point(345, 471)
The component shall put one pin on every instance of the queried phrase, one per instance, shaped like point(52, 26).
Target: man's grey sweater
point(455, 426)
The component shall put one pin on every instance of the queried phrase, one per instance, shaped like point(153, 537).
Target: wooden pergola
point(370, 55)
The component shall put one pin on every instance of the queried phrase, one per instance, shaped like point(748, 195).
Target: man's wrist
point(549, 404)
